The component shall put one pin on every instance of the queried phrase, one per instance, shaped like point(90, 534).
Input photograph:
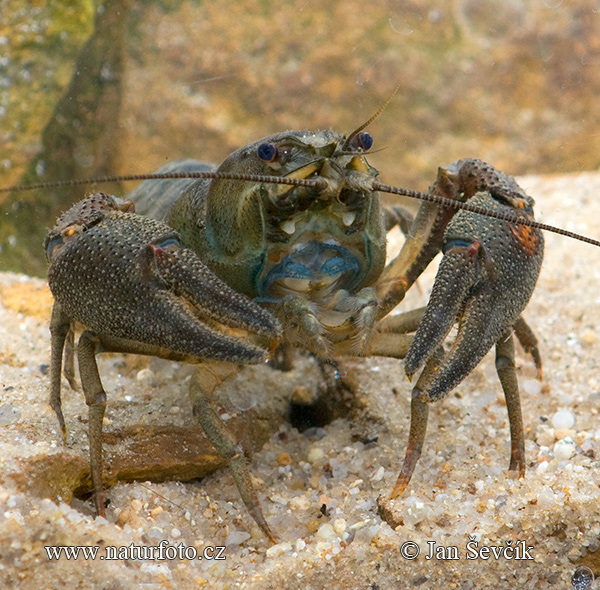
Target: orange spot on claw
point(528, 238)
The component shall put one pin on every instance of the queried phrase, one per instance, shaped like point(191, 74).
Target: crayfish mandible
point(204, 262)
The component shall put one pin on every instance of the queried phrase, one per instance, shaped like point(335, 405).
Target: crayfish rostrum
point(226, 270)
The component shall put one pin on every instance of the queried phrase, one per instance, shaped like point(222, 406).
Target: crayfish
point(284, 245)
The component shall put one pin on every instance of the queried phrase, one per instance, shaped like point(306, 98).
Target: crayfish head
point(321, 155)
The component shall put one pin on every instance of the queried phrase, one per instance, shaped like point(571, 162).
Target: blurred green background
point(89, 88)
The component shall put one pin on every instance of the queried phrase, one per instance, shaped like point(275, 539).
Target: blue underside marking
point(313, 262)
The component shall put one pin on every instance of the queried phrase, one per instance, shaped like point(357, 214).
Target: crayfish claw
point(127, 277)
point(456, 275)
point(484, 282)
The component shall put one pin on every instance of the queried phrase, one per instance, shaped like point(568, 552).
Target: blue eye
point(267, 152)
point(53, 245)
point(363, 141)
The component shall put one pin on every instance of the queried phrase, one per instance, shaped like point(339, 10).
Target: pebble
point(416, 510)
point(339, 526)
point(312, 525)
point(237, 538)
point(545, 436)
point(531, 386)
point(300, 503)
point(563, 419)
point(284, 459)
point(378, 475)
point(156, 511)
point(564, 449)
point(315, 455)
point(542, 467)
point(588, 337)
point(145, 377)
point(9, 414)
point(339, 470)
point(326, 532)
point(279, 549)
point(546, 498)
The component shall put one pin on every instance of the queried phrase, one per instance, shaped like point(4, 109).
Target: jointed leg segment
point(59, 329)
point(202, 386)
point(505, 367)
point(95, 398)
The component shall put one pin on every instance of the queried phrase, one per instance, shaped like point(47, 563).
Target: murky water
point(515, 83)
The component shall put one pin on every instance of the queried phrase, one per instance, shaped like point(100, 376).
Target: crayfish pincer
point(287, 240)
point(132, 286)
point(485, 279)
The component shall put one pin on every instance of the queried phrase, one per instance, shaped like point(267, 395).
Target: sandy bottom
point(319, 489)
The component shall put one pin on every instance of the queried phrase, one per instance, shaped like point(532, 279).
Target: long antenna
point(514, 218)
point(318, 184)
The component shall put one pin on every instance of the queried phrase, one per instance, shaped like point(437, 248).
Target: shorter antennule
point(364, 125)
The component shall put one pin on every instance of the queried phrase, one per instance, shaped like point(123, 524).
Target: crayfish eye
point(53, 246)
point(362, 141)
point(267, 152)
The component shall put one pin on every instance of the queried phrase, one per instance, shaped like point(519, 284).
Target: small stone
point(315, 455)
point(326, 532)
point(366, 533)
point(339, 526)
point(588, 337)
point(236, 538)
point(416, 510)
point(546, 498)
point(531, 386)
point(279, 549)
point(378, 475)
point(9, 414)
point(563, 419)
point(145, 377)
point(284, 459)
point(545, 436)
point(564, 449)
point(156, 511)
point(175, 533)
point(300, 503)
point(323, 546)
point(339, 470)
point(542, 467)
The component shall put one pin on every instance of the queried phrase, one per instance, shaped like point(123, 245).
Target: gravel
point(319, 489)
